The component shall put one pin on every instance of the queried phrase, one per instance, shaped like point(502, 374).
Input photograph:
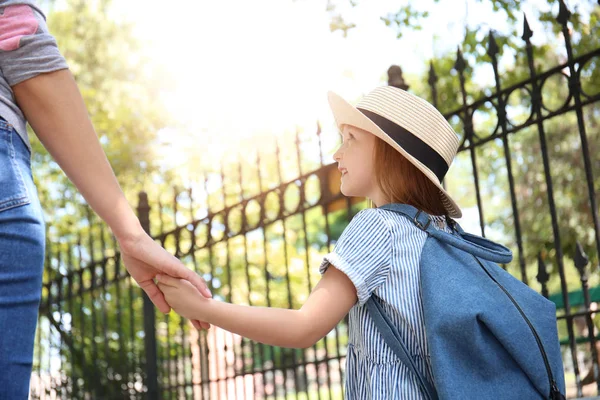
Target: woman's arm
point(329, 302)
point(55, 110)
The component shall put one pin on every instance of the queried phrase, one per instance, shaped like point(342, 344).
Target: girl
point(396, 149)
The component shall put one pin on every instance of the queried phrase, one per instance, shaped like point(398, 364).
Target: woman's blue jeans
point(22, 240)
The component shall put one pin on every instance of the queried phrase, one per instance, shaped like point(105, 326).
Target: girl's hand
point(145, 259)
point(183, 297)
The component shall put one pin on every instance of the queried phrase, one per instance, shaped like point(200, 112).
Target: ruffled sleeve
point(363, 253)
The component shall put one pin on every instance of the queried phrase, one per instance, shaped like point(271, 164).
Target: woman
point(37, 87)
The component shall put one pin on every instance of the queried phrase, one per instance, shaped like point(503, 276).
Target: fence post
point(143, 211)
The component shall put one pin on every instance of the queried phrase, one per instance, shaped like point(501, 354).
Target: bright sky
point(239, 68)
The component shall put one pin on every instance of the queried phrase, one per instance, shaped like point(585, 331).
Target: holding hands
point(145, 259)
point(183, 297)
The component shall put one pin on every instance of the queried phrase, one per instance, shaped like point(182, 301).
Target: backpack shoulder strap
point(392, 338)
point(472, 244)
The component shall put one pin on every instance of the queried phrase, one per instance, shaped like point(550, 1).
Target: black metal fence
point(100, 338)
point(528, 168)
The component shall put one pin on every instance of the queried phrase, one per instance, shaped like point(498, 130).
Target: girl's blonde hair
point(402, 182)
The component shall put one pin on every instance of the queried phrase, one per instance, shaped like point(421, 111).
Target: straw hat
point(409, 124)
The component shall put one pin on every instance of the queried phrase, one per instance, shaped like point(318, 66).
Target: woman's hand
point(145, 259)
point(183, 297)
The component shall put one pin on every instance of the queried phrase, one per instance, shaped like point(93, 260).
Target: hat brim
point(345, 113)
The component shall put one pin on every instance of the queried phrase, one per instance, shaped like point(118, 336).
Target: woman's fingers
point(156, 295)
point(167, 280)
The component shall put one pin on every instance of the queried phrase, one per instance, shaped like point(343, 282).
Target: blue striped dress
point(380, 251)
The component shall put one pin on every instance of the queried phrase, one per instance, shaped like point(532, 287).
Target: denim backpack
point(489, 334)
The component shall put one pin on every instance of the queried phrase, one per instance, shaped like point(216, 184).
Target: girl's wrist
point(207, 310)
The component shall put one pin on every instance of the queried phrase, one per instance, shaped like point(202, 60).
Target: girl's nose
point(338, 154)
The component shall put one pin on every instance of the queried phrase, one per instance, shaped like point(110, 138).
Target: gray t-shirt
point(27, 49)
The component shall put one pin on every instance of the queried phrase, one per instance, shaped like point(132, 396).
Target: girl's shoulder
point(379, 221)
point(370, 219)
point(376, 223)
point(390, 218)
point(394, 219)
point(366, 226)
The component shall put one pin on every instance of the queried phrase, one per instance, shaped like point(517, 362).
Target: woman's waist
point(13, 145)
point(12, 117)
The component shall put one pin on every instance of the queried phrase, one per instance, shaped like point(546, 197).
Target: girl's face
point(355, 161)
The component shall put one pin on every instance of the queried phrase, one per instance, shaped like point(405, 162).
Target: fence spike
point(433, 78)
point(395, 77)
point(460, 64)
point(543, 276)
point(143, 211)
point(527, 32)
point(563, 14)
point(492, 46)
point(580, 259)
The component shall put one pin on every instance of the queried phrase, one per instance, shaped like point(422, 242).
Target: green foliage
point(407, 16)
point(103, 318)
point(274, 263)
point(123, 103)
